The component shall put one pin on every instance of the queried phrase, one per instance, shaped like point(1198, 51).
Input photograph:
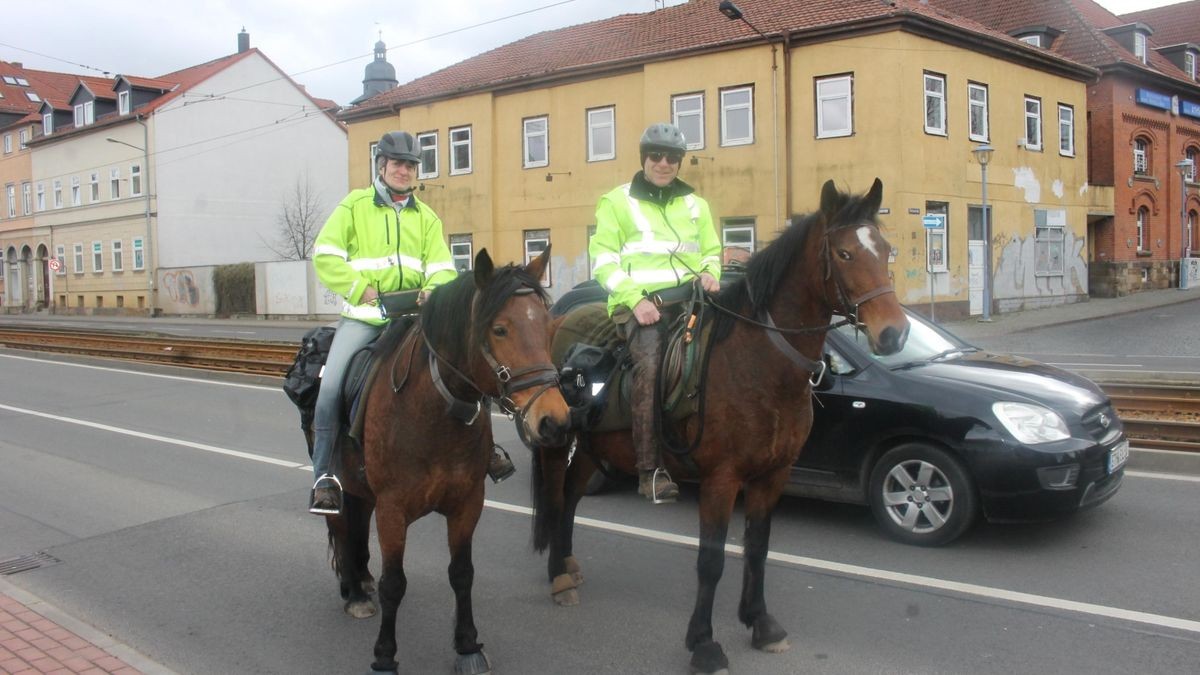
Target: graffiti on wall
point(1021, 259)
point(182, 288)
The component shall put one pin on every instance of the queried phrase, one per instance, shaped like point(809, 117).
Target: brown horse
point(427, 436)
point(758, 411)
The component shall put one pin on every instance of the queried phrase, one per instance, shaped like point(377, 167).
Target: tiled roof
point(1172, 24)
point(147, 82)
point(1082, 23)
point(53, 87)
point(639, 38)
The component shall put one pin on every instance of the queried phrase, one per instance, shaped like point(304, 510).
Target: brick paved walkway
point(31, 644)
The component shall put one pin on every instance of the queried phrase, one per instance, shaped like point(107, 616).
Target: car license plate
point(1118, 456)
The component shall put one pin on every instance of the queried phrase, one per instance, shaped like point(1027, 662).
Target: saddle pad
point(361, 373)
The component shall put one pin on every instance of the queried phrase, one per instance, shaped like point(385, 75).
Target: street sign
point(53, 264)
point(933, 222)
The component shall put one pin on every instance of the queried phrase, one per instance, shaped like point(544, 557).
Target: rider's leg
point(351, 336)
point(645, 346)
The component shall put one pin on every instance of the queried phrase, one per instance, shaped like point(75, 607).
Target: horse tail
point(541, 527)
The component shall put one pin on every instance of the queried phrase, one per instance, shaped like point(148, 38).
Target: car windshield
point(925, 344)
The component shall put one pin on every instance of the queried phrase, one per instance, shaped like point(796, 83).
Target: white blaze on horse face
point(867, 241)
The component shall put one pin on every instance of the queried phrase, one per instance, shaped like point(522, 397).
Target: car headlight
point(1031, 424)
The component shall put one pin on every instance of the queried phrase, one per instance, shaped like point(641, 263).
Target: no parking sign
point(54, 264)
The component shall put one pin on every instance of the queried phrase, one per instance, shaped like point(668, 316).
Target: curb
point(1164, 461)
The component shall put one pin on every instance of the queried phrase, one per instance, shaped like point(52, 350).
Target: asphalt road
point(175, 507)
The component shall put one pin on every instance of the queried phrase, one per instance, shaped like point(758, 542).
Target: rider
point(652, 233)
point(378, 239)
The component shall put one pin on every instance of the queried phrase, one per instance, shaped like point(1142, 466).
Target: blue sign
point(933, 222)
point(1153, 99)
point(1190, 109)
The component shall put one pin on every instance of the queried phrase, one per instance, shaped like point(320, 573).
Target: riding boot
point(645, 345)
point(326, 496)
point(500, 466)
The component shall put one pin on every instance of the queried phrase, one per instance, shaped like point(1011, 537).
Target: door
point(976, 250)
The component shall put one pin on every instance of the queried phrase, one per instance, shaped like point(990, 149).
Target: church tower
point(378, 76)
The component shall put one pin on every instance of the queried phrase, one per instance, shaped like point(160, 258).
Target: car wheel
point(922, 495)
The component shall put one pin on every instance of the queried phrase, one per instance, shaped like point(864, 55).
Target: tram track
point(1161, 417)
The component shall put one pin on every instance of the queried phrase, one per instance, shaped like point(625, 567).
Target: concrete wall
point(291, 288)
point(187, 291)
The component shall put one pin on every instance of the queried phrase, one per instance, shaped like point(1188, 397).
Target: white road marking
point(145, 374)
point(886, 575)
point(1163, 476)
point(1095, 365)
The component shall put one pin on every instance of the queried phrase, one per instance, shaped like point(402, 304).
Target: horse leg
point(357, 584)
point(392, 523)
point(716, 505)
point(576, 485)
point(460, 528)
point(550, 519)
point(761, 496)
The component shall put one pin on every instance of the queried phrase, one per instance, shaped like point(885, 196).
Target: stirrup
point(506, 470)
point(337, 487)
point(654, 499)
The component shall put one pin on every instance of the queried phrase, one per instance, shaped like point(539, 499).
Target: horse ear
point(875, 196)
point(831, 200)
point(537, 266)
point(483, 268)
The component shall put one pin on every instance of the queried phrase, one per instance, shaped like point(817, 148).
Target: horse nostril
point(890, 340)
point(548, 428)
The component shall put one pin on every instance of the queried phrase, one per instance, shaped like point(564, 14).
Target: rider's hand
point(709, 283)
point(422, 297)
point(645, 312)
point(370, 295)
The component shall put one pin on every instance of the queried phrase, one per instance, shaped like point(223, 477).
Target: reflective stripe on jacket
point(366, 242)
point(641, 247)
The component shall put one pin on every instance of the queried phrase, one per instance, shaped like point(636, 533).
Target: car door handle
point(858, 405)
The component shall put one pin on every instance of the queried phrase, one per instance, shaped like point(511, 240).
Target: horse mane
point(767, 268)
point(448, 312)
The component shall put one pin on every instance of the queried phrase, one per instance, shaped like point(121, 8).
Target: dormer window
point(1139, 46)
point(85, 113)
point(47, 124)
point(1035, 40)
point(23, 82)
point(1189, 64)
point(123, 102)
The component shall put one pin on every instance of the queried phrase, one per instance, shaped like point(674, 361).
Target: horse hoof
point(567, 598)
point(769, 636)
point(361, 610)
point(709, 659)
point(377, 669)
point(472, 664)
point(574, 569)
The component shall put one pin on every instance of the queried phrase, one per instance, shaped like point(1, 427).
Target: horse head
point(511, 320)
point(856, 267)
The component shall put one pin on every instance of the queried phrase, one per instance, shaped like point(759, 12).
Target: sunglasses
point(671, 157)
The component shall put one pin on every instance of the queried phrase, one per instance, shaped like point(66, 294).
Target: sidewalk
point(37, 637)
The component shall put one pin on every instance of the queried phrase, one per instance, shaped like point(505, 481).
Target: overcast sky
point(322, 44)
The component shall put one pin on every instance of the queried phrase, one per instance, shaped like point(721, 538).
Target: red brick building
point(1143, 120)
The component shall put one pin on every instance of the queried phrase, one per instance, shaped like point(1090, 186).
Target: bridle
point(509, 382)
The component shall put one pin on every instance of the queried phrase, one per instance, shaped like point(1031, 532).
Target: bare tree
point(299, 221)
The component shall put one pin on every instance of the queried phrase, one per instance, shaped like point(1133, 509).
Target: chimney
point(243, 41)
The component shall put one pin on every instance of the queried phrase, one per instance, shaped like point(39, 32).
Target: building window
point(1189, 64)
point(537, 241)
point(1139, 46)
point(835, 107)
point(117, 261)
point(41, 197)
point(60, 254)
point(114, 184)
point(139, 254)
point(48, 124)
point(427, 142)
point(372, 149)
point(602, 134)
point(97, 256)
point(1033, 123)
point(77, 250)
point(1035, 40)
point(94, 184)
point(537, 142)
point(27, 198)
point(462, 252)
point(78, 115)
point(123, 102)
point(460, 151)
point(11, 192)
point(737, 116)
point(977, 112)
point(1049, 225)
point(135, 181)
point(76, 192)
point(1191, 174)
point(738, 232)
point(85, 113)
point(1066, 130)
point(23, 135)
point(58, 199)
point(1143, 221)
point(7, 143)
point(687, 113)
point(935, 104)
point(1141, 152)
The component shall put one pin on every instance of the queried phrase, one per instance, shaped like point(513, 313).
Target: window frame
point(123, 102)
point(456, 241)
point(114, 183)
point(423, 170)
point(27, 198)
point(940, 98)
point(76, 191)
point(1189, 63)
point(139, 254)
point(23, 139)
point(10, 193)
point(727, 109)
point(97, 257)
point(595, 128)
point(455, 169)
point(1069, 124)
point(1193, 154)
point(1141, 156)
point(135, 180)
point(48, 123)
point(1040, 244)
point(1139, 46)
point(533, 236)
point(1034, 40)
point(94, 185)
point(116, 249)
point(1142, 222)
point(57, 193)
point(39, 197)
point(677, 117)
point(823, 131)
point(8, 143)
point(60, 254)
point(530, 136)
point(1036, 117)
point(739, 224)
point(77, 256)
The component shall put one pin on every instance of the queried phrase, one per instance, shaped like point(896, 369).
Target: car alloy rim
point(917, 496)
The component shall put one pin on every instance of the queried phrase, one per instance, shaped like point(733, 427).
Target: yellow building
point(521, 141)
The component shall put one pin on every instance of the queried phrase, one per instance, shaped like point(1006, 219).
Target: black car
point(941, 431)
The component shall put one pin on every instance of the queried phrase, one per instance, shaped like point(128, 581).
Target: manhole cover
point(26, 562)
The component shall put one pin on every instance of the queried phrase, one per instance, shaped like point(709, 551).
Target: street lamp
point(983, 155)
point(1185, 170)
point(148, 248)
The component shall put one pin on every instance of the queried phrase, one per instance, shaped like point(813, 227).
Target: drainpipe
point(148, 249)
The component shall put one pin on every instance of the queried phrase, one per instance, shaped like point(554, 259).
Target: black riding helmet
point(398, 145)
